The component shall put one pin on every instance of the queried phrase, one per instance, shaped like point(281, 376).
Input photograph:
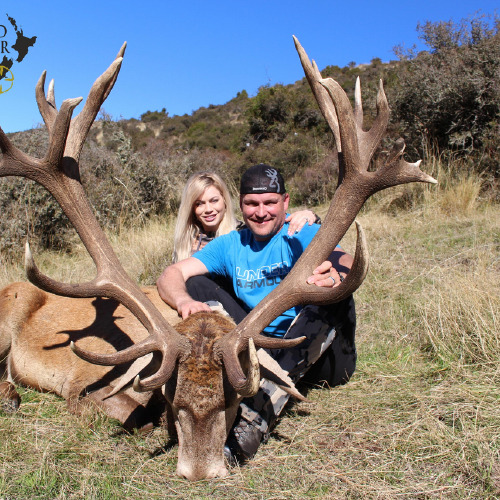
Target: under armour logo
point(273, 176)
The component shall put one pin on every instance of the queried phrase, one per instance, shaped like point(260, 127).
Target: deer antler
point(356, 184)
point(59, 173)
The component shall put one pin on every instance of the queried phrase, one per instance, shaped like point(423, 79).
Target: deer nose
point(197, 474)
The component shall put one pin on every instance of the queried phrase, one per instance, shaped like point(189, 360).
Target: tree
point(268, 113)
point(450, 95)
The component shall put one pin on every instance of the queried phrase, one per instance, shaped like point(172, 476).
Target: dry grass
point(144, 252)
point(419, 420)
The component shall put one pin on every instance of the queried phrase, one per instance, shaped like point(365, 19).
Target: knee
point(201, 288)
point(342, 315)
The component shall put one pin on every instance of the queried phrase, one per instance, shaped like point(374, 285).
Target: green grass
point(420, 419)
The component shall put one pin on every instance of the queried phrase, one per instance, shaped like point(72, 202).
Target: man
point(255, 260)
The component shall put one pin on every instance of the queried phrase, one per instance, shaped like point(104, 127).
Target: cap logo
point(273, 176)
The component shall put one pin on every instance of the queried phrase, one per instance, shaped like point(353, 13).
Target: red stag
point(198, 371)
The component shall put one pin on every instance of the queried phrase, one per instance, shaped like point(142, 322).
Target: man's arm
point(337, 266)
point(172, 286)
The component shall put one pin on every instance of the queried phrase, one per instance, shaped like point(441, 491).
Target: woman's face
point(209, 209)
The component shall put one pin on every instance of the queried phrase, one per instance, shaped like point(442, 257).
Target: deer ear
point(129, 376)
point(272, 371)
point(250, 361)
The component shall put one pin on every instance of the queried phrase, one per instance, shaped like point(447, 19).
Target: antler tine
point(356, 154)
point(358, 104)
point(46, 105)
point(109, 282)
point(51, 98)
point(44, 171)
point(135, 351)
point(170, 355)
point(58, 137)
point(313, 77)
point(121, 54)
point(97, 95)
point(368, 141)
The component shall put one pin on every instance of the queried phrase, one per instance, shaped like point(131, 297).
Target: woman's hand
point(299, 219)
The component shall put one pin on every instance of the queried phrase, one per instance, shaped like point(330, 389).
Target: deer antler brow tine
point(130, 353)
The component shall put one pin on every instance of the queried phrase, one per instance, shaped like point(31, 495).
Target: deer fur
point(36, 329)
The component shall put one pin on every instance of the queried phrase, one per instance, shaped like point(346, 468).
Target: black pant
point(203, 289)
point(338, 362)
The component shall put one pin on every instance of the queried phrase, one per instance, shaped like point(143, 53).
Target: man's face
point(264, 213)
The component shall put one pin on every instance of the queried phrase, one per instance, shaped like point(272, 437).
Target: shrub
point(268, 113)
point(450, 95)
point(28, 210)
point(151, 116)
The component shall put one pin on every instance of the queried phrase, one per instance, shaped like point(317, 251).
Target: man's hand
point(326, 275)
point(332, 271)
point(172, 286)
point(189, 307)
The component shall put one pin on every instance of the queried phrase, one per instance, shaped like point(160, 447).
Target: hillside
point(420, 418)
point(445, 102)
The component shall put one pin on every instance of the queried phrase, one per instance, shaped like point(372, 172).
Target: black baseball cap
point(262, 178)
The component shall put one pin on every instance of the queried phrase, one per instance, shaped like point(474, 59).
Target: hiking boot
point(243, 442)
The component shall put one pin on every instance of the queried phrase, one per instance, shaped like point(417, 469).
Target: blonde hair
point(187, 227)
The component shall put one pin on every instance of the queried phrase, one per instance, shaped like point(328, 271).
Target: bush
point(315, 185)
point(123, 187)
point(28, 210)
point(151, 116)
point(268, 113)
point(450, 95)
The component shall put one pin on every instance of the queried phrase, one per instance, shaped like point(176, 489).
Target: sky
point(184, 55)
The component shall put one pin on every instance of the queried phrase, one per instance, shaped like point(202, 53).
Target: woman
point(207, 211)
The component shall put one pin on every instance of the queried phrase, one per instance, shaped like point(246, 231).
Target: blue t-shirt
point(257, 267)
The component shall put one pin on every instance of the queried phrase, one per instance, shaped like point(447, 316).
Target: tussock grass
point(144, 251)
point(419, 419)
